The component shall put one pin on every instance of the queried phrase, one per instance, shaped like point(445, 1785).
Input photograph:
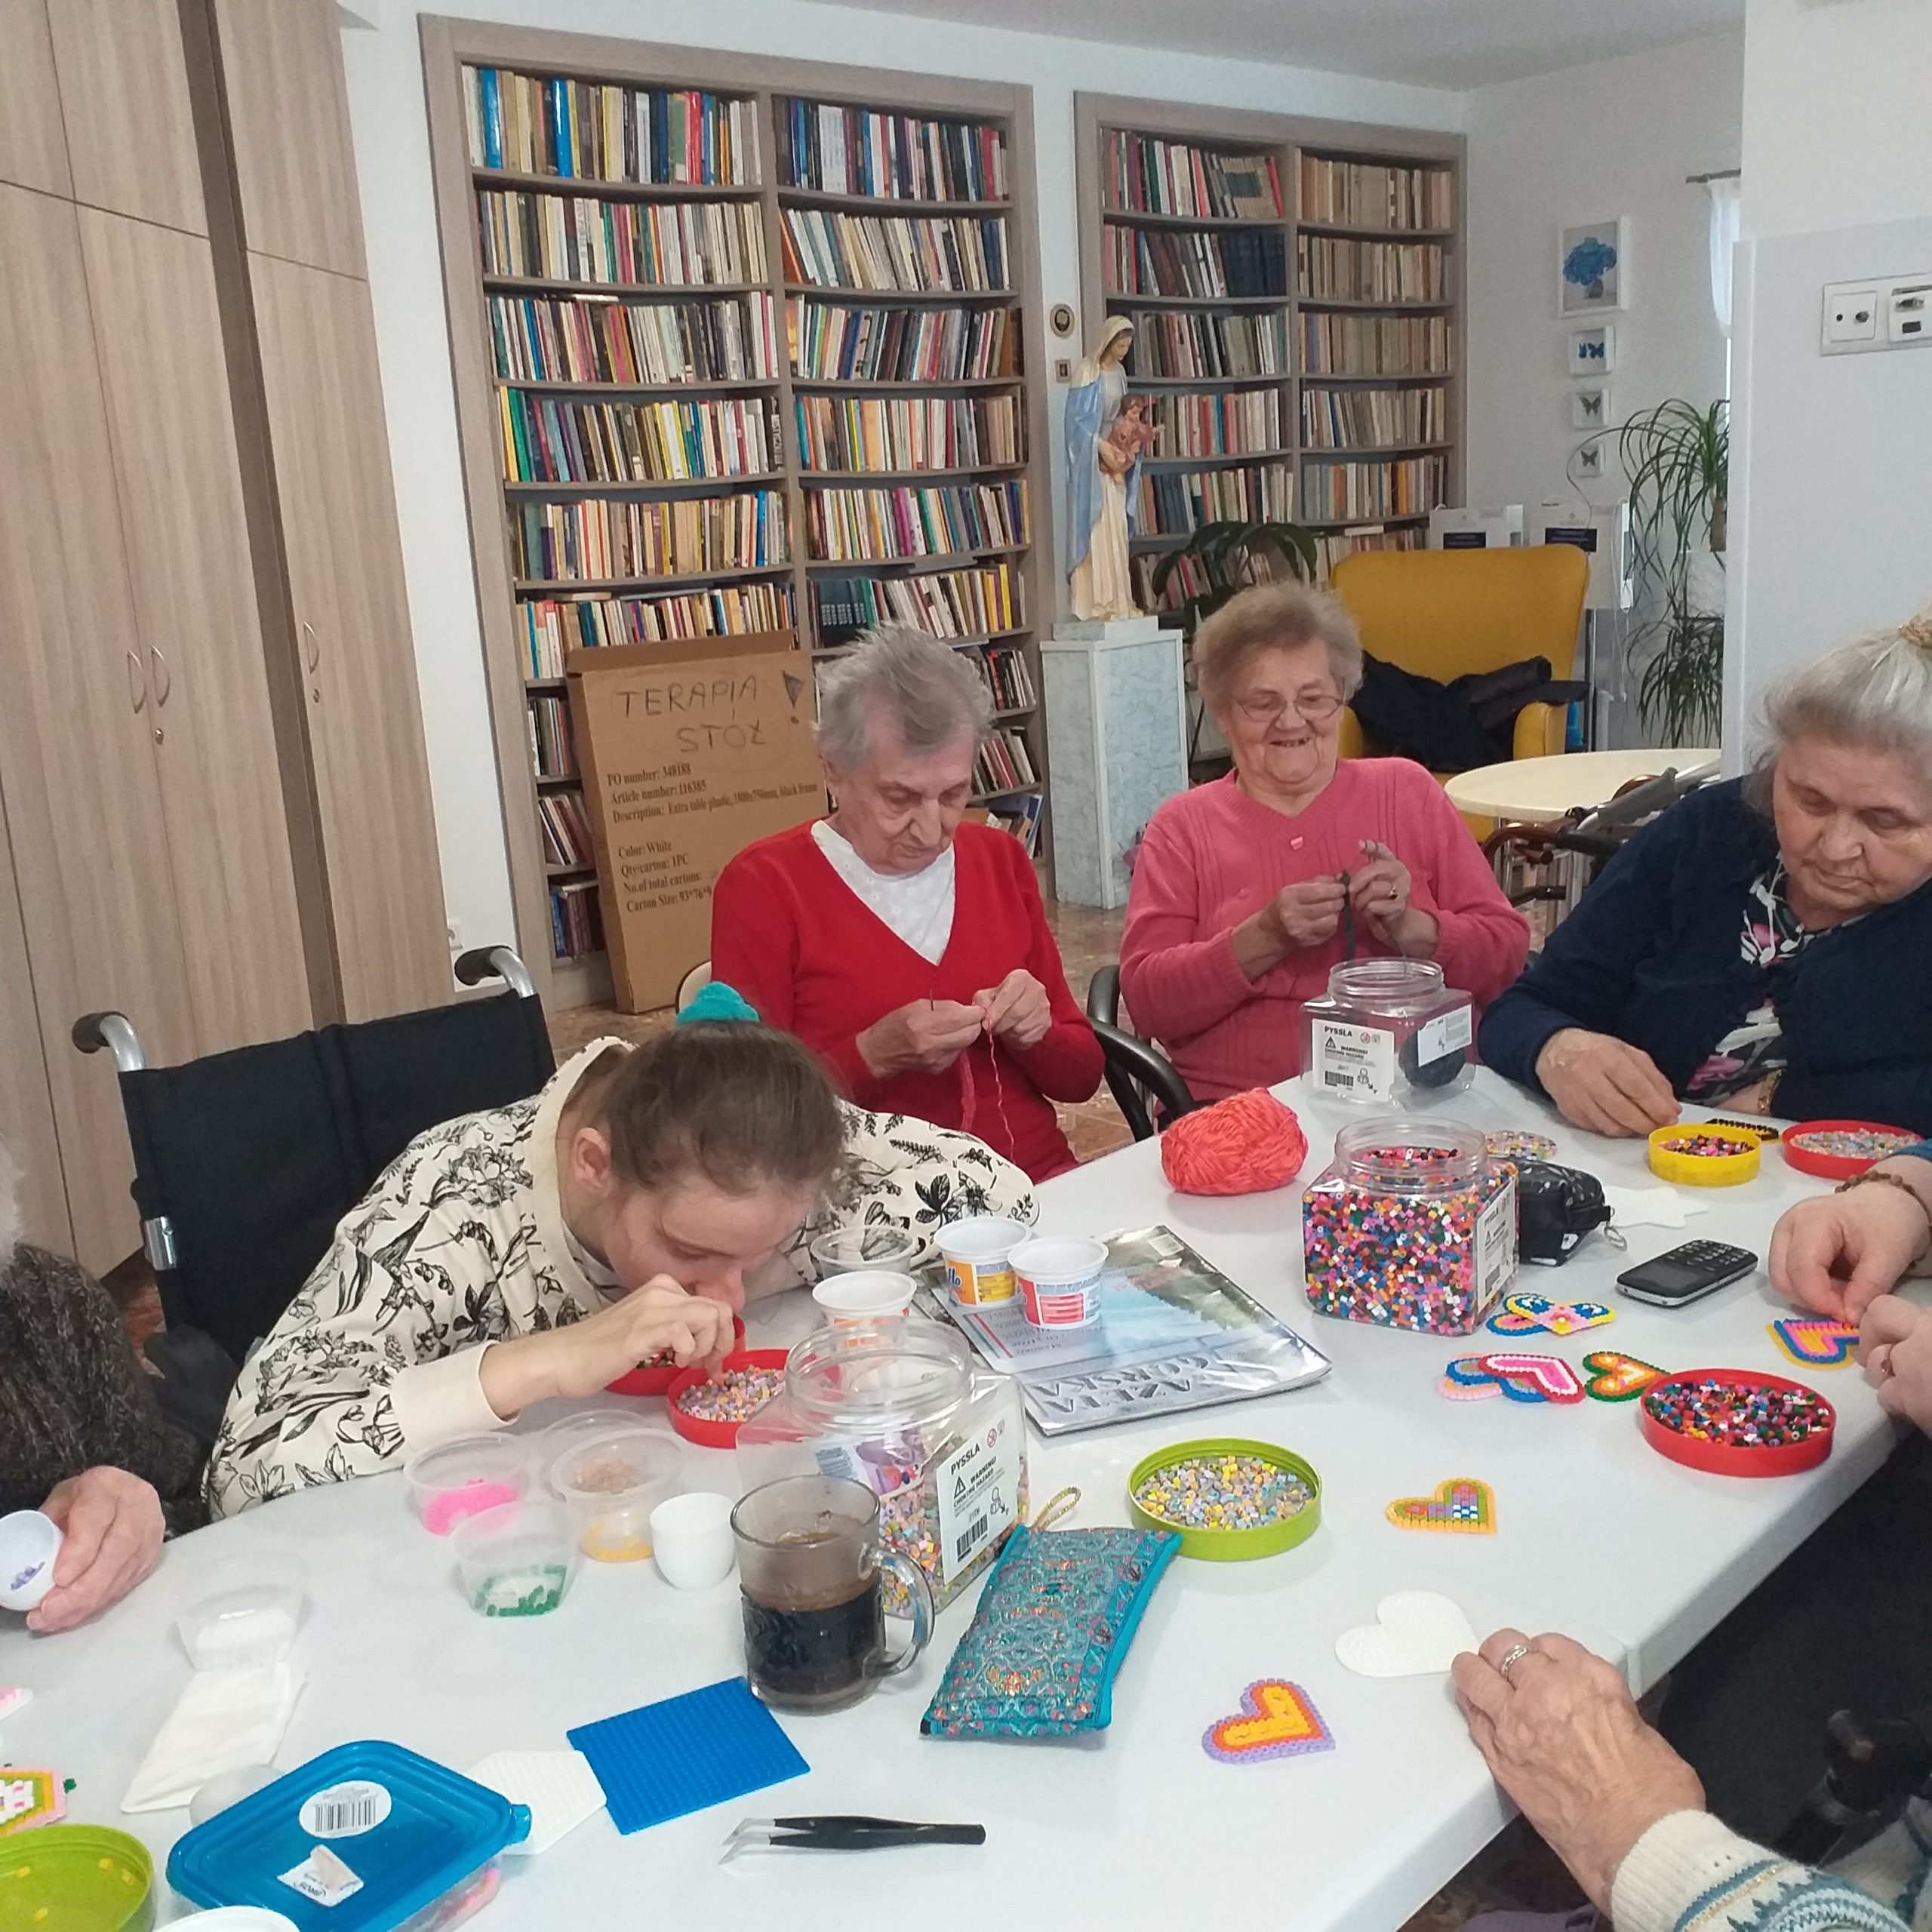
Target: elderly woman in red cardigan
point(908, 948)
point(1247, 891)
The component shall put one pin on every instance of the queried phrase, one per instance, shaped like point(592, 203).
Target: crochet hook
point(843, 1834)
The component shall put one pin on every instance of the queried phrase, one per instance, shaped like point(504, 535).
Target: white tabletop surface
point(1135, 1826)
point(1535, 790)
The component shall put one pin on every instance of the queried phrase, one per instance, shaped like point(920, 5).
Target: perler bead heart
point(1817, 1344)
point(1461, 1504)
point(1468, 1392)
point(28, 1799)
point(1523, 1314)
point(1522, 1378)
point(1275, 1720)
point(1616, 1378)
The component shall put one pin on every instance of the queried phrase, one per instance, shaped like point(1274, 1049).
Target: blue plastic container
point(367, 1837)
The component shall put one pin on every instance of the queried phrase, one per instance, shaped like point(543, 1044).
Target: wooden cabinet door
point(194, 590)
point(288, 121)
point(77, 764)
point(326, 427)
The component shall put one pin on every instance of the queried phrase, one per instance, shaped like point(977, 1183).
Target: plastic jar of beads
point(900, 1407)
point(1388, 1030)
point(1413, 1226)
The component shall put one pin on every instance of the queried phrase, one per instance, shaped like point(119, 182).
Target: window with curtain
point(1724, 195)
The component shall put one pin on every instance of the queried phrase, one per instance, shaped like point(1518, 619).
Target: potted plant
point(1677, 460)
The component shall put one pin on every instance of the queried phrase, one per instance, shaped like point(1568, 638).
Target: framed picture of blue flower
point(1593, 268)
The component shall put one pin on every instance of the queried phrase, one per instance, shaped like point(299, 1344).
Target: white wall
point(391, 149)
point(1831, 458)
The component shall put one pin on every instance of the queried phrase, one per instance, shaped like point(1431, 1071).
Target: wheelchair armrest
point(113, 1031)
point(495, 962)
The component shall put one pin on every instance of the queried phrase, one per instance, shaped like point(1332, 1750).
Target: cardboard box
point(689, 751)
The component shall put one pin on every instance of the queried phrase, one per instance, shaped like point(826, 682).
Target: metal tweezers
point(843, 1834)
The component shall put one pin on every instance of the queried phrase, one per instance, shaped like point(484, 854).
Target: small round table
point(1538, 791)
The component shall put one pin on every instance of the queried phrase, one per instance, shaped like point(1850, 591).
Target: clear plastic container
point(466, 1474)
point(1413, 1226)
point(518, 1559)
point(247, 1614)
point(611, 1481)
point(1388, 1031)
point(880, 1245)
point(902, 1408)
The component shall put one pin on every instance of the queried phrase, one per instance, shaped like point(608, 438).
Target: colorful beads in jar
point(1413, 1226)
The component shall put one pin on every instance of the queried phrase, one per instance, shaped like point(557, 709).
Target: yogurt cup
point(977, 1252)
point(29, 1543)
point(1059, 1281)
point(867, 1294)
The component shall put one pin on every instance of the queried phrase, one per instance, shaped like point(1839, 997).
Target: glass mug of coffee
point(811, 1579)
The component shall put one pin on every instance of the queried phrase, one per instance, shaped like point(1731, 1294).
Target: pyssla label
point(1354, 1059)
point(978, 1495)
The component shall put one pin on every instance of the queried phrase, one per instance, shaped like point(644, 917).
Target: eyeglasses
point(1313, 707)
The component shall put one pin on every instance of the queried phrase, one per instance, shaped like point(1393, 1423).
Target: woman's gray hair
point(1268, 617)
point(1876, 691)
point(923, 691)
point(12, 1213)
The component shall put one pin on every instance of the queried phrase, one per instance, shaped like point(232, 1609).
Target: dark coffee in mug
point(813, 1655)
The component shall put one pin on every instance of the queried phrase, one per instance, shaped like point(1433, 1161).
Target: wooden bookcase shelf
point(1399, 446)
point(803, 214)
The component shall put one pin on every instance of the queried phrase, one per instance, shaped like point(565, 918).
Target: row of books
point(827, 250)
point(1020, 816)
point(1201, 262)
point(566, 830)
point(1372, 419)
point(573, 238)
point(1370, 194)
point(1168, 347)
point(978, 601)
point(1411, 486)
point(932, 432)
point(1221, 422)
point(1145, 176)
point(560, 439)
point(576, 927)
point(549, 626)
point(898, 157)
point(603, 539)
point(552, 752)
point(937, 521)
point(1176, 502)
point(603, 131)
point(565, 339)
point(1004, 668)
point(833, 342)
point(1338, 271)
point(1375, 344)
point(1005, 764)
point(1331, 549)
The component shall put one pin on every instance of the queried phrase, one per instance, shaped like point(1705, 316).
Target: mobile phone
point(1686, 1274)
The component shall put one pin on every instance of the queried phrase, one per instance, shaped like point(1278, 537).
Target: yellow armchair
point(1445, 613)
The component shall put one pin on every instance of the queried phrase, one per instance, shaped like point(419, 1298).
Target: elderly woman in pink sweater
point(1247, 891)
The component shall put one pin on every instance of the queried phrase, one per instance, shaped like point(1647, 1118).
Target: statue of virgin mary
point(1102, 476)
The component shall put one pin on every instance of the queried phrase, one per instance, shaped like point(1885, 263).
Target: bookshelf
point(757, 347)
point(1297, 291)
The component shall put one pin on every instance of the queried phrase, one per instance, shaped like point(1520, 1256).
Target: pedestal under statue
point(1107, 432)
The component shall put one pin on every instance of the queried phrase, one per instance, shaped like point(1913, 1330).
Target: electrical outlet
point(1885, 311)
point(1909, 312)
point(1851, 316)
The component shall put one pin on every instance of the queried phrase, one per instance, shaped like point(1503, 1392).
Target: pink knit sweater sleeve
point(1177, 979)
point(1484, 940)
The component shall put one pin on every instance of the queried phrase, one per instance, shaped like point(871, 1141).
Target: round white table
point(1135, 1826)
point(1537, 791)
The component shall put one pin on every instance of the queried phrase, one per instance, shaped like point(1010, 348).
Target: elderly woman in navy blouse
point(1764, 946)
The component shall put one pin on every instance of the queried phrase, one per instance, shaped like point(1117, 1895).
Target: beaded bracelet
point(1898, 1181)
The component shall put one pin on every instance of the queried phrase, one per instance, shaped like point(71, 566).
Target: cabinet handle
point(164, 682)
point(314, 649)
point(137, 684)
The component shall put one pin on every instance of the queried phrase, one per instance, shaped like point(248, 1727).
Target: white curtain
point(1723, 238)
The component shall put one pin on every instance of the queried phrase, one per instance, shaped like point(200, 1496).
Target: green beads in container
point(1228, 1498)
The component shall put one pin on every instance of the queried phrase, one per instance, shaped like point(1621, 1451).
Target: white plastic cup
point(690, 1539)
point(978, 1256)
point(1059, 1281)
point(867, 1294)
point(29, 1543)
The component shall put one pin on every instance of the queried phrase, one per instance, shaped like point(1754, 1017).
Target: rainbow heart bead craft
point(1468, 1392)
point(1462, 1504)
point(1617, 1378)
point(1275, 1720)
point(1524, 1313)
point(1522, 1378)
point(1817, 1344)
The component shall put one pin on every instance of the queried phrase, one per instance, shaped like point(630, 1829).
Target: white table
point(1598, 1536)
point(1539, 791)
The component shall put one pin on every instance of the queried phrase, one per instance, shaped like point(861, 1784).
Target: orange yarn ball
point(1243, 1145)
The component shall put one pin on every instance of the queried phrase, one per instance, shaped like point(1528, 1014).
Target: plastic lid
point(1411, 1155)
point(409, 1829)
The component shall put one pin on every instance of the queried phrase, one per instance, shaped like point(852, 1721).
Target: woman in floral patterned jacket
point(545, 1248)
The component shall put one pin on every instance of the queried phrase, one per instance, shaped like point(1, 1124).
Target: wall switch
point(1886, 311)
point(452, 933)
point(1063, 371)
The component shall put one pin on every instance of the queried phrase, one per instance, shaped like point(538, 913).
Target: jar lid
point(1410, 1154)
point(1386, 985)
point(878, 1376)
